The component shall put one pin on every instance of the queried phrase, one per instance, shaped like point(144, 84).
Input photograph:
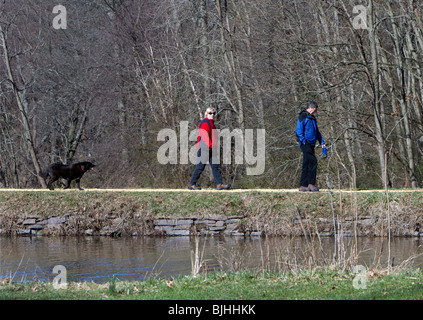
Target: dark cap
point(312, 104)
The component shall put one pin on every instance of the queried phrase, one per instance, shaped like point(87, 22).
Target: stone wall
point(164, 226)
point(211, 225)
point(367, 226)
point(227, 214)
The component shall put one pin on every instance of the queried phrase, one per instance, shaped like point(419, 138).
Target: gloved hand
point(324, 152)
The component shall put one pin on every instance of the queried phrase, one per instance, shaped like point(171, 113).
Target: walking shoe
point(303, 189)
point(313, 188)
point(223, 186)
point(193, 187)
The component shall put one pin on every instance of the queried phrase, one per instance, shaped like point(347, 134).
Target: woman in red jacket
point(206, 145)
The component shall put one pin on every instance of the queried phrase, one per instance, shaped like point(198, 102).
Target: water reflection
point(100, 258)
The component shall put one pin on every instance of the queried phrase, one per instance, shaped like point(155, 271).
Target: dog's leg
point(50, 183)
point(68, 184)
point(77, 183)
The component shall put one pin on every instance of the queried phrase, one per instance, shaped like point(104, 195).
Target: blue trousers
point(201, 164)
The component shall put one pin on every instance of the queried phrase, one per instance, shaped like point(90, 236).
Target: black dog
point(69, 172)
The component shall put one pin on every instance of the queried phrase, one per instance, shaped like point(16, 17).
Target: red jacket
point(206, 133)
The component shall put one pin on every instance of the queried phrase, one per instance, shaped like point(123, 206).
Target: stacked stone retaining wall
point(163, 226)
point(216, 214)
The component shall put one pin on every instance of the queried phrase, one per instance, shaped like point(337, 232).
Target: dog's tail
point(43, 175)
point(47, 173)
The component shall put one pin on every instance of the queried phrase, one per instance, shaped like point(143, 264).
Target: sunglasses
point(212, 113)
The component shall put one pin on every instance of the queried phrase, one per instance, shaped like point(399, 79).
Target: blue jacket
point(307, 130)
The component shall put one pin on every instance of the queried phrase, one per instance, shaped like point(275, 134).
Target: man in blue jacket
point(307, 135)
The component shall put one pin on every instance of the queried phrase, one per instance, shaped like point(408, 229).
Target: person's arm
point(300, 131)
point(320, 138)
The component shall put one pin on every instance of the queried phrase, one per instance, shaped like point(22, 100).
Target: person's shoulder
point(205, 123)
point(303, 115)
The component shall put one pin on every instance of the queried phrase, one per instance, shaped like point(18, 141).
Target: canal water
point(99, 259)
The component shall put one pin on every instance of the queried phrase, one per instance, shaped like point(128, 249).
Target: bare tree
point(19, 91)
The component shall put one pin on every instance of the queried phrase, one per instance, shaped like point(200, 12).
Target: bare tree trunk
point(199, 109)
point(205, 48)
point(259, 106)
point(375, 78)
point(405, 124)
point(349, 143)
point(391, 92)
point(25, 121)
point(122, 125)
point(75, 131)
point(228, 55)
point(8, 158)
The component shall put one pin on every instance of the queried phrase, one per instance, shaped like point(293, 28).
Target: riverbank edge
point(242, 213)
point(316, 284)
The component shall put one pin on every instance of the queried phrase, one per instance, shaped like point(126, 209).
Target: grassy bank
point(281, 212)
point(245, 285)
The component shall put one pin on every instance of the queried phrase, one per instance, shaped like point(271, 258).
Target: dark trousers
point(202, 161)
point(308, 174)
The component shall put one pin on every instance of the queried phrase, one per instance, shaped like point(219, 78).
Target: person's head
point(210, 113)
point(311, 107)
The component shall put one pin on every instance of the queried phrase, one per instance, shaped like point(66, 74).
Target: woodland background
point(103, 88)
